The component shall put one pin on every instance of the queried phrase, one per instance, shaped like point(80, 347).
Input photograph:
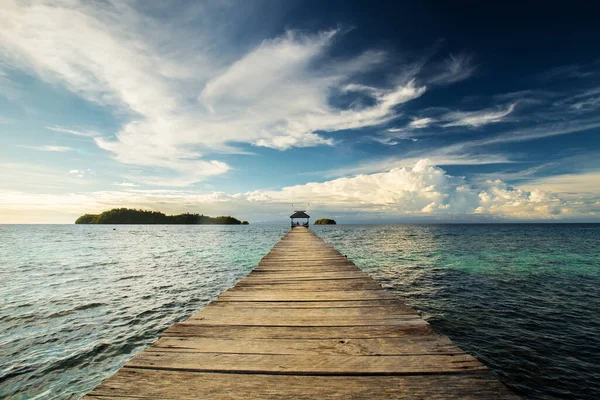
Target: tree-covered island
point(132, 216)
point(325, 221)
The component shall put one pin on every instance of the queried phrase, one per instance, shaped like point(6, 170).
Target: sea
point(78, 301)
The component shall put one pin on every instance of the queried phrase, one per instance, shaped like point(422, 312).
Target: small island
point(325, 221)
point(132, 216)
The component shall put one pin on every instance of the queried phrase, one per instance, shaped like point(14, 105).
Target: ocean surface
point(78, 301)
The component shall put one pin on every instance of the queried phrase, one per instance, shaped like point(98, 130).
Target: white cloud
point(386, 141)
point(456, 68)
point(473, 119)
point(79, 173)
point(589, 104)
point(187, 97)
point(36, 177)
point(125, 184)
point(49, 148)
point(420, 123)
point(72, 131)
point(537, 132)
point(476, 119)
point(577, 184)
point(419, 190)
point(449, 155)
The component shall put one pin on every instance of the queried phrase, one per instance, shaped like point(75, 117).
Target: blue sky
point(367, 111)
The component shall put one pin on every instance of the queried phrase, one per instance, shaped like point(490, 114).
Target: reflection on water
point(78, 301)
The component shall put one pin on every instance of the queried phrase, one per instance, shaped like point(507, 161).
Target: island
point(133, 216)
point(325, 221)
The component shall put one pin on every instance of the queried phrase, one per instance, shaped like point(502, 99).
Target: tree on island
point(132, 216)
point(325, 221)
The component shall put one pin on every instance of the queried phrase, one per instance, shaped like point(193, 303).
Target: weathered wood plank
point(304, 364)
point(414, 328)
point(300, 275)
point(287, 321)
point(306, 323)
point(364, 347)
point(156, 384)
point(312, 286)
point(289, 295)
point(289, 312)
point(311, 304)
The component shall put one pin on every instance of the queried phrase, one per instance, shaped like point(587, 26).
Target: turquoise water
point(78, 301)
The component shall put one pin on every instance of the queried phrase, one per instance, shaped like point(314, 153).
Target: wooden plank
point(414, 328)
point(365, 347)
point(311, 304)
point(310, 286)
point(289, 312)
point(157, 384)
point(287, 321)
point(324, 364)
point(327, 286)
point(289, 295)
point(295, 268)
point(306, 323)
point(300, 275)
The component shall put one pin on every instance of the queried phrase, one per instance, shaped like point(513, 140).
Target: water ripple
point(522, 298)
point(84, 299)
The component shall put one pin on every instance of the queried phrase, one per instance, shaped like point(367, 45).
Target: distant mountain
point(132, 216)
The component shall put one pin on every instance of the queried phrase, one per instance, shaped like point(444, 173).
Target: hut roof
point(299, 214)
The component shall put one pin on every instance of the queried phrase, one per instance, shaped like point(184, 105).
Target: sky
point(360, 111)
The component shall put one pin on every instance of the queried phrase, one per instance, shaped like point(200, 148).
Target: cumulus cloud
point(181, 108)
point(422, 189)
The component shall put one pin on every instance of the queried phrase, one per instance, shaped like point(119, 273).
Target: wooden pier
point(305, 324)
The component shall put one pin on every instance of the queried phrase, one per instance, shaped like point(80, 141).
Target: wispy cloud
point(443, 156)
point(83, 133)
point(35, 177)
point(478, 118)
point(536, 132)
point(125, 184)
point(420, 123)
point(272, 94)
point(576, 71)
point(470, 119)
point(454, 69)
point(49, 148)
point(77, 173)
point(394, 134)
point(579, 184)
